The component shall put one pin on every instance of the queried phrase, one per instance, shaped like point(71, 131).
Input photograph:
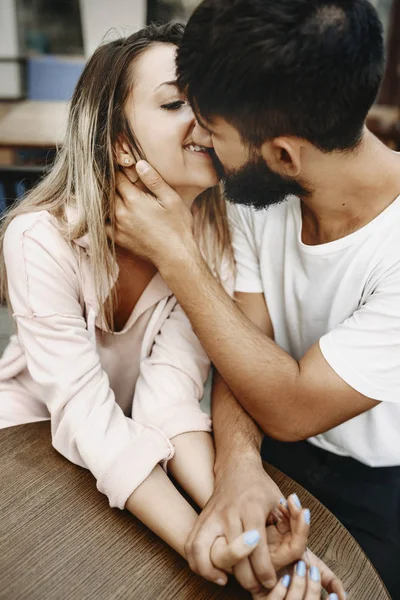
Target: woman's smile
point(200, 151)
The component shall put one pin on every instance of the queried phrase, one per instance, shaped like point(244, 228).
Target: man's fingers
point(198, 552)
point(126, 190)
point(154, 182)
point(226, 556)
point(243, 570)
point(261, 563)
point(262, 566)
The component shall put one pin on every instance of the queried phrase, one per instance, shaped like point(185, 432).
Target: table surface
point(33, 124)
point(60, 540)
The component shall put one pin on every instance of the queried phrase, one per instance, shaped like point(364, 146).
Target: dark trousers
point(366, 500)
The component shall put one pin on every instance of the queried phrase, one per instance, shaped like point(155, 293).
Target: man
point(310, 350)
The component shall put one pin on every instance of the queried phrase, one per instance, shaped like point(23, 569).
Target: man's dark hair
point(308, 68)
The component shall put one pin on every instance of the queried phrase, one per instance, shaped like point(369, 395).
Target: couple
point(311, 343)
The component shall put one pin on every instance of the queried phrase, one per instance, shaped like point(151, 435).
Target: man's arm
point(289, 400)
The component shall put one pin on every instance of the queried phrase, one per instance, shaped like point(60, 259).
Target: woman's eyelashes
point(173, 105)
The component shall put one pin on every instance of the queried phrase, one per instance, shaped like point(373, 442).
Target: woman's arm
point(193, 465)
point(160, 506)
point(88, 427)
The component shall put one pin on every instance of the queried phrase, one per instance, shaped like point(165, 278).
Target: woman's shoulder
point(40, 227)
point(31, 222)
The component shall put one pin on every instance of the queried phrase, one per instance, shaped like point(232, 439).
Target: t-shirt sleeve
point(365, 349)
point(248, 276)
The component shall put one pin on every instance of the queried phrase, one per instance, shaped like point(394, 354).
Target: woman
point(103, 349)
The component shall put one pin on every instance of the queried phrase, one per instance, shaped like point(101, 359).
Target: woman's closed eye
point(174, 105)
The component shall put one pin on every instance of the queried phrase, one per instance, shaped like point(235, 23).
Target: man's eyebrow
point(171, 83)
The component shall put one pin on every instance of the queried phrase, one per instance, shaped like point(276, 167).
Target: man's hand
point(243, 499)
point(155, 224)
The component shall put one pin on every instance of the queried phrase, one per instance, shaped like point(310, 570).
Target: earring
point(127, 161)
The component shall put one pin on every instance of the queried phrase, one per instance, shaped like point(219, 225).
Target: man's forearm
point(236, 435)
point(260, 374)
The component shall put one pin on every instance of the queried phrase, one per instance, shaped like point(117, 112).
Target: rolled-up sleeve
point(88, 426)
point(171, 381)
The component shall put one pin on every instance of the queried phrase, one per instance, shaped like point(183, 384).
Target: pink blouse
point(115, 400)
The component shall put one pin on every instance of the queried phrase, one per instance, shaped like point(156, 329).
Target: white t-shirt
point(344, 293)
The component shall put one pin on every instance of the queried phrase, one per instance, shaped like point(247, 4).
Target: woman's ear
point(126, 160)
point(124, 155)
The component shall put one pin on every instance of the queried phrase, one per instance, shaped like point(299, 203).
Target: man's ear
point(283, 155)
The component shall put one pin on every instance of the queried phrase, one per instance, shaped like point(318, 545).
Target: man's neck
point(350, 190)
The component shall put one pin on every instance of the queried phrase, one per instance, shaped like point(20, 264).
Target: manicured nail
point(296, 500)
point(220, 581)
point(142, 166)
point(301, 568)
point(283, 502)
point(333, 597)
point(314, 573)
point(307, 516)
point(285, 581)
point(251, 537)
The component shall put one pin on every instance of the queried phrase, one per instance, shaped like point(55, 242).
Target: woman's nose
point(201, 136)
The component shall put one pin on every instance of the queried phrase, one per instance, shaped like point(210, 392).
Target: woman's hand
point(287, 539)
point(303, 585)
point(225, 556)
point(329, 581)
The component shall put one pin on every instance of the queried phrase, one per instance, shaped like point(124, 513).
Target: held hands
point(244, 497)
point(306, 578)
point(151, 220)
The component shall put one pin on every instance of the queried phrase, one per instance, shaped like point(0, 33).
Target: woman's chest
point(120, 356)
point(133, 281)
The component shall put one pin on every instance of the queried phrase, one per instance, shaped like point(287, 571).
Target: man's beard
point(256, 185)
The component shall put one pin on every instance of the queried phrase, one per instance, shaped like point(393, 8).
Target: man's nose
point(201, 136)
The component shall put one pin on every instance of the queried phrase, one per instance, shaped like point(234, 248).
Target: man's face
point(246, 177)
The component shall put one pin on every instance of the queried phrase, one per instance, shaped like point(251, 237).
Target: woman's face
point(163, 122)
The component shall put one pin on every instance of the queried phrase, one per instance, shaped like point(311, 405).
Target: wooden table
point(31, 124)
point(59, 540)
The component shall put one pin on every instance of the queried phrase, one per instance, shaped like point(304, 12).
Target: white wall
point(8, 29)
point(99, 16)
point(10, 78)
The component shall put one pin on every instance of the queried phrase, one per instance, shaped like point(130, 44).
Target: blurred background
point(43, 47)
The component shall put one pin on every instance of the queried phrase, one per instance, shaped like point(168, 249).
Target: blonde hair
point(83, 176)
